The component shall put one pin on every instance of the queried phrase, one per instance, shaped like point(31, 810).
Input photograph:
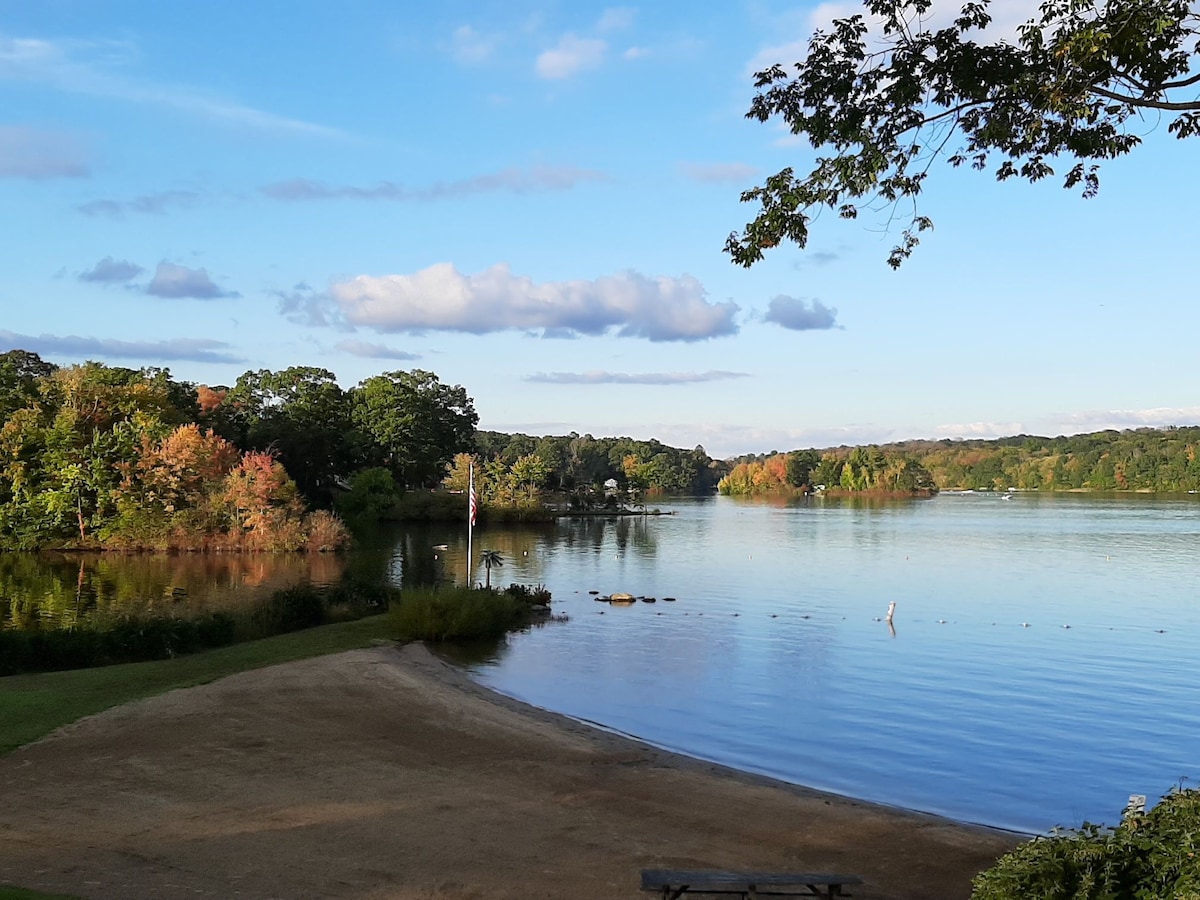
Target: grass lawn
point(31, 706)
point(16, 893)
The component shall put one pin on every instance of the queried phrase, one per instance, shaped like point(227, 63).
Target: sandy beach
point(387, 773)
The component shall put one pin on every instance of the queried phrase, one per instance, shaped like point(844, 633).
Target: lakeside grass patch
point(8, 892)
point(142, 639)
point(31, 706)
point(455, 614)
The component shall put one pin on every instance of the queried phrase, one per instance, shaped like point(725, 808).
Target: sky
point(530, 199)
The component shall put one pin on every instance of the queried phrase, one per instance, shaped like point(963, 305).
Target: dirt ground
point(386, 773)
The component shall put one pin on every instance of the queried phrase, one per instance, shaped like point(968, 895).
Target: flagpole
point(470, 522)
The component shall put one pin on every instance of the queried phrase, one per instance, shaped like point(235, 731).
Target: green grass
point(31, 706)
point(16, 893)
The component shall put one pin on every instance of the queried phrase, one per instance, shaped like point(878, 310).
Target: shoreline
point(461, 680)
point(390, 773)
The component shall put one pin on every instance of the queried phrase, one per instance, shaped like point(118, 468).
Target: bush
point(531, 596)
point(455, 614)
point(137, 640)
point(131, 641)
point(325, 532)
point(1150, 855)
point(290, 609)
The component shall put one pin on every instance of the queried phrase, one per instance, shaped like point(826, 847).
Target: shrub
point(531, 596)
point(452, 614)
point(325, 532)
point(134, 640)
point(290, 609)
point(1150, 855)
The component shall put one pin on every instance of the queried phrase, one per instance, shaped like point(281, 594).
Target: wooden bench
point(671, 884)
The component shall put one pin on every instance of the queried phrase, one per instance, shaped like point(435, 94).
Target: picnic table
point(671, 884)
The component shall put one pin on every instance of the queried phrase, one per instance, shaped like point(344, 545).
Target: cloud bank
point(797, 314)
point(111, 271)
point(514, 180)
point(147, 204)
point(440, 298)
point(174, 350)
point(174, 281)
point(601, 377)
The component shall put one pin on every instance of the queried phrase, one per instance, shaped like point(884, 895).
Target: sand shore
point(387, 773)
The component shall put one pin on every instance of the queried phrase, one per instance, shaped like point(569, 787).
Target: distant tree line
point(852, 470)
point(1145, 459)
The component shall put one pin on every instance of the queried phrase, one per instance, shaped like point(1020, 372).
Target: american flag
point(474, 505)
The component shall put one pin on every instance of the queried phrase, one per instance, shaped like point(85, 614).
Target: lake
point(1043, 665)
point(1041, 668)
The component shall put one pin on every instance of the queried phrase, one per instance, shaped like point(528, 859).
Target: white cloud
point(636, 53)
point(1084, 422)
point(111, 271)
point(616, 18)
point(979, 430)
point(86, 68)
point(712, 173)
point(628, 304)
point(597, 376)
point(1006, 15)
point(513, 179)
point(797, 314)
point(1120, 419)
point(572, 55)
point(147, 204)
point(40, 155)
point(374, 351)
point(174, 281)
point(471, 48)
point(176, 349)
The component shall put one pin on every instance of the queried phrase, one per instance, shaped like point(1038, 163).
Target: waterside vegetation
point(457, 613)
point(1151, 854)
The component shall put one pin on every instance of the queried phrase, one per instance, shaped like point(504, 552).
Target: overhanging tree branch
point(1054, 93)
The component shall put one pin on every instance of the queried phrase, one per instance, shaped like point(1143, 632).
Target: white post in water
point(470, 524)
point(891, 611)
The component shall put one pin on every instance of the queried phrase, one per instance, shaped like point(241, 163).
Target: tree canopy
point(887, 106)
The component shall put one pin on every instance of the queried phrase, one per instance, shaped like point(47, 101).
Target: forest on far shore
point(1144, 459)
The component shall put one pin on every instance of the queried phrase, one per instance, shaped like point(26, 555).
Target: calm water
point(775, 659)
point(772, 659)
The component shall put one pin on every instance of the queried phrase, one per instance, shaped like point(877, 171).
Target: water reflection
point(78, 590)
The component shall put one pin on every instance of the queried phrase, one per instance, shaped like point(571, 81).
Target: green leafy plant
point(1150, 855)
point(455, 614)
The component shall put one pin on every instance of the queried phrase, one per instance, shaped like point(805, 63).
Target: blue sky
point(530, 199)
